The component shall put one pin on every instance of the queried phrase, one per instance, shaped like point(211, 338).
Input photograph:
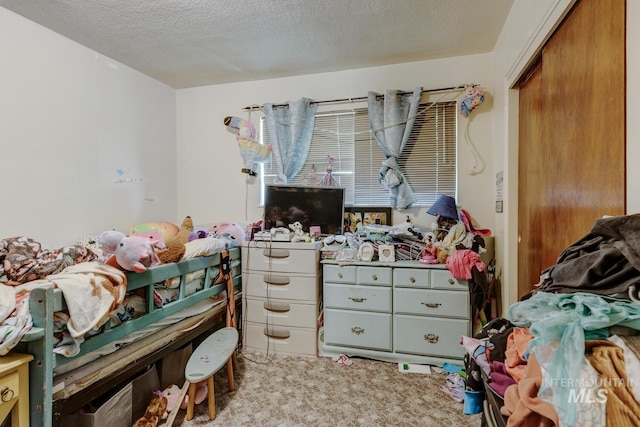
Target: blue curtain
point(391, 118)
point(290, 128)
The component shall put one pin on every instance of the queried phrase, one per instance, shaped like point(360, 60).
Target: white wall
point(69, 120)
point(219, 191)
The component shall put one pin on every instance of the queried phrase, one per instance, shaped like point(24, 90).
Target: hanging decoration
point(472, 97)
point(251, 150)
point(328, 180)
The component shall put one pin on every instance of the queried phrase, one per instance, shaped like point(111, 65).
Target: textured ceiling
point(188, 43)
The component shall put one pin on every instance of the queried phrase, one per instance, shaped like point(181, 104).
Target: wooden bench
point(207, 359)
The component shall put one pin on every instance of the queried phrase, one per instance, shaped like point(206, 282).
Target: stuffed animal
point(166, 229)
point(195, 235)
point(154, 413)
point(130, 253)
point(251, 150)
point(231, 232)
point(182, 237)
point(298, 233)
point(172, 393)
point(175, 248)
point(154, 236)
point(201, 395)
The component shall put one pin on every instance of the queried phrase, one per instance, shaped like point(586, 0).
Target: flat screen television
point(312, 206)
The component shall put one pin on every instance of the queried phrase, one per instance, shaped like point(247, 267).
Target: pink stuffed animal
point(133, 253)
point(233, 233)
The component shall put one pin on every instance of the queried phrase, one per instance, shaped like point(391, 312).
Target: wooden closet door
point(572, 136)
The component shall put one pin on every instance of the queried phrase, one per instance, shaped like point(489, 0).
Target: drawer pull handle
point(6, 394)
point(339, 275)
point(451, 282)
point(374, 277)
point(432, 338)
point(276, 280)
point(276, 253)
point(275, 306)
point(357, 330)
point(357, 299)
point(432, 304)
point(412, 279)
point(277, 333)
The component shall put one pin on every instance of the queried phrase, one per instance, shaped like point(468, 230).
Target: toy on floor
point(131, 253)
point(201, 394)
point(251, 150)
point(154, 413)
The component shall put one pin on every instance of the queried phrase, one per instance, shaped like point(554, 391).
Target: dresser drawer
point(357, 297)
point(280, 286)
point(281, 340)
point(431, 302)
point(357, 329)
point(374, 276)
point(429, 336)
point(339, 274)
point(411, 277)
point(10, 383)
point(279, 258)
point(280, 313)
point(443, 279)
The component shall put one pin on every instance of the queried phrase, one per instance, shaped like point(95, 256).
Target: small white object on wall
point(386, 253)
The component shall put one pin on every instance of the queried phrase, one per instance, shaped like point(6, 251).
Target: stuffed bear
point(175, 248)
point(183, 235)
point(130, 253)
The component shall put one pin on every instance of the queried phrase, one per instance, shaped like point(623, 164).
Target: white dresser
point(281, 297)
point(398, 312)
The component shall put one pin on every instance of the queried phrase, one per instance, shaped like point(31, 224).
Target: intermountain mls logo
point(588, 390)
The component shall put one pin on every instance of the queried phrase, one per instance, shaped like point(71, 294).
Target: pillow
point(203, 247)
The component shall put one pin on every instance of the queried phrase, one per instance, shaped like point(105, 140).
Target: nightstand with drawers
point(281, 296)
point(14, 388)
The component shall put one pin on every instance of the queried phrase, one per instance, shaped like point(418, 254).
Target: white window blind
point(428, 161)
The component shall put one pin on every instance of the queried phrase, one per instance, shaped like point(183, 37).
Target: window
point(428, 161)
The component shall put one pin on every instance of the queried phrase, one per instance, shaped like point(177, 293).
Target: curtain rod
point(360, 98)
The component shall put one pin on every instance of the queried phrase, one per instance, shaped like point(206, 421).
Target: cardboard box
point(113, 410)
point(171, 367)
point(143, 387)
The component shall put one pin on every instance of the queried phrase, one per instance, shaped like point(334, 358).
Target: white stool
point(213, 353)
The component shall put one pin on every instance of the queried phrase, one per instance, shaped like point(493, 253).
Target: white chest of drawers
point(397, 312)
point(281, 297)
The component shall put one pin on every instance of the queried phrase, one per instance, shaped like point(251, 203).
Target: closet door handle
point(432, 304)
point(432, 338)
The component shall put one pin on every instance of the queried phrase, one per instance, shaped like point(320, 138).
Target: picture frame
point(358, 216)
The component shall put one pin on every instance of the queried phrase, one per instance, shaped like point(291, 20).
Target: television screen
point(312, 206)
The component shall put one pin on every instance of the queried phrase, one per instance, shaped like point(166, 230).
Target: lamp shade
point(445, 206)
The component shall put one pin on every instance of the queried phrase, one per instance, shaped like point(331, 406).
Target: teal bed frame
point(45, 301)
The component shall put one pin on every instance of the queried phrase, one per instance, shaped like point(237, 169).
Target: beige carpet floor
point(291, 391)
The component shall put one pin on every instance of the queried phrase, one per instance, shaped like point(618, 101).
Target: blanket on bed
point(92, 291)
point(22, 259)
